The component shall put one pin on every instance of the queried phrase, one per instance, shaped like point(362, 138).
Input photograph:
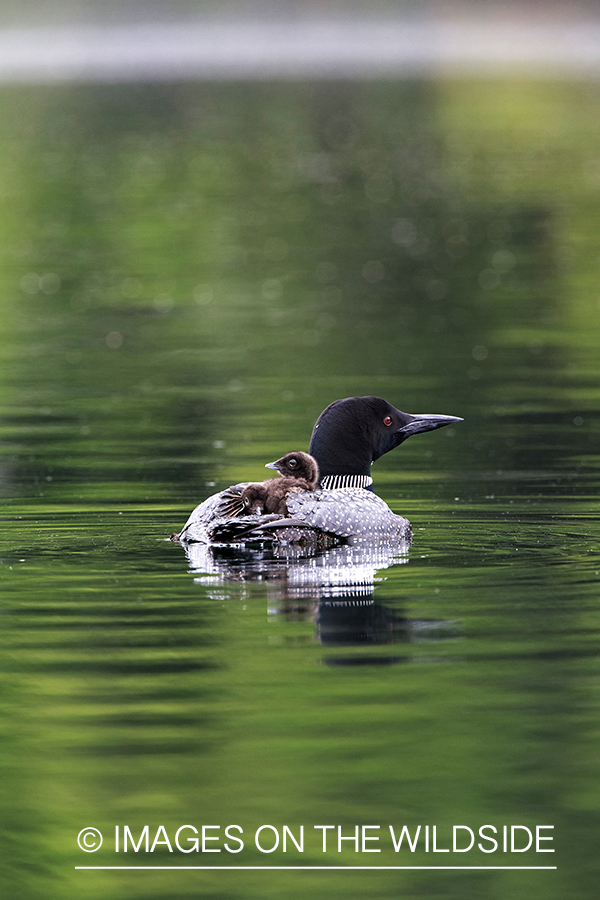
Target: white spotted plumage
point(345, 512)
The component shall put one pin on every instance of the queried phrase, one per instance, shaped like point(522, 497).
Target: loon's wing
point(219, 506)
point(231, 501)
point(348, 512)
point(338, 513)
point(242, 528)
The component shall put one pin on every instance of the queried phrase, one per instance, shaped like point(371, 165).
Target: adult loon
point(348, 437)
point(299, 472)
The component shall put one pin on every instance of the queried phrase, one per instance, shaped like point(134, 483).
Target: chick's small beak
point(272, 465)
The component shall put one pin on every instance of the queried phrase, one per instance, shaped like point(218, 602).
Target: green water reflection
point(189, 275)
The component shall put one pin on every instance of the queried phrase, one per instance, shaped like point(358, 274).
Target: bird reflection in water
point(335, 588)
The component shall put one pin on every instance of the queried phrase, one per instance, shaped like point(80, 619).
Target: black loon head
point(297, 465)
point(350, 434)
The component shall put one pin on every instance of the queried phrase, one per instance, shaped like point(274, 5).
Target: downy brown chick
point(299, 472)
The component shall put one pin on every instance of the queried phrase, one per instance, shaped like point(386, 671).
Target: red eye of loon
point(387, 420)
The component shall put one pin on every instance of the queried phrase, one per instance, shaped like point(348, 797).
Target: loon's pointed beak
point(272, 465)
point(426, 422)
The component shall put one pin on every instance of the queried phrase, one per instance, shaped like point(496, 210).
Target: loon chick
point(348, 437)
point(297, 465)
point(301, 473)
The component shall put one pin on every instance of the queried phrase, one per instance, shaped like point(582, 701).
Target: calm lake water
point(189, 275)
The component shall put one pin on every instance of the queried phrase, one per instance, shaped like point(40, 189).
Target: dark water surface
point(189, 275)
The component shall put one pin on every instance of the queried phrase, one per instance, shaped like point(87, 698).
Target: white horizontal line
point(335, 48)
point(297, 868)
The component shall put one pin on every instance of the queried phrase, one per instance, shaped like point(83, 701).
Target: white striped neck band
point(330, 482)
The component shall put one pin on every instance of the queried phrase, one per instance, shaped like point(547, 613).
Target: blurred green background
point(190, 272)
